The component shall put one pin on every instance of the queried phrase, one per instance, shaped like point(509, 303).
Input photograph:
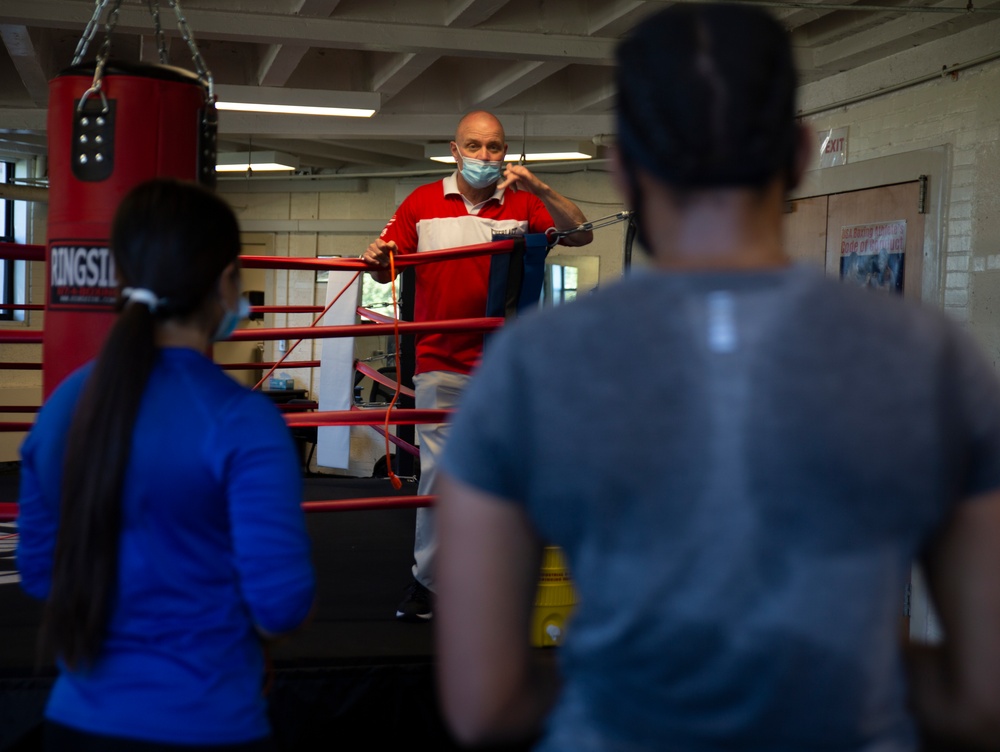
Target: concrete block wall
point(962, 112)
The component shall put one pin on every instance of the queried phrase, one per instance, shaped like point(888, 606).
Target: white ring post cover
point(336, 373)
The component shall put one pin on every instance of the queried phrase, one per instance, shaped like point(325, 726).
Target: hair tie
point(144, 296)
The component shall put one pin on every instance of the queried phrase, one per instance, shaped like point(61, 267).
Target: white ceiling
point(545, 66)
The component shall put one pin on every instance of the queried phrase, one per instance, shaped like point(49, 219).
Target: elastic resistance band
point(313, 324)
point(393, 478)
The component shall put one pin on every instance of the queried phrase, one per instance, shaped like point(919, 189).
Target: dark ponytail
point(173, 239)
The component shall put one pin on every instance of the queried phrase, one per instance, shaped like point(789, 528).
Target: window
point(374, 296)
point(561, 284)
point(6, 236)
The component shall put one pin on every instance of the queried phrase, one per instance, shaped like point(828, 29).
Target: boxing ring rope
point(377, 324)
point(358, 265)
point(22, 252)
point(14, 427)
point(251, 365)
point(385, 325)
point(19, 337)
point(397, 327)
point(364, 313)
point(8, 509)
point(400, 416)
point(286, 309)
point(446, 326)
point(369, 502)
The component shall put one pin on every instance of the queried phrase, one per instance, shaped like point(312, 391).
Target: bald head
point(480, 121)
point(480, 135)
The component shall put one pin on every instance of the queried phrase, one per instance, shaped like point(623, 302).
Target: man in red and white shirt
point(481, 198)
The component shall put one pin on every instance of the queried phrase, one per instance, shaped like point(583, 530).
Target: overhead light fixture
point(279, 100)
point(540, 151)
point(258, 161)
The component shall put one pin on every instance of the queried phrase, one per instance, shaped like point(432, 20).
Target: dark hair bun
point(706, 97)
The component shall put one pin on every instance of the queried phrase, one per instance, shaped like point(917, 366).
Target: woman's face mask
point(231, 318)
point(480, 173)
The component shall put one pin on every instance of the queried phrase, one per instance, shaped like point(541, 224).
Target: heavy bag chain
point(161, 40)
point(103, 54)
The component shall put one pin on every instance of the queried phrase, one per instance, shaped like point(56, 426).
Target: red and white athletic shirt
point(435, 217)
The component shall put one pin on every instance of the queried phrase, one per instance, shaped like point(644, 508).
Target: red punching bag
point(142, 121)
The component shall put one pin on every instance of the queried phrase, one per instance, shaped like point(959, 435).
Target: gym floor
point(355, 677)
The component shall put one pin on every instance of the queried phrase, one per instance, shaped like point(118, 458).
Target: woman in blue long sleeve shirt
point(159, 509)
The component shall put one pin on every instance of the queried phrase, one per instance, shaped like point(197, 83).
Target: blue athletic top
point(213, 546)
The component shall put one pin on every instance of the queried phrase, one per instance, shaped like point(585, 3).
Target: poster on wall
point(833, 147)
point(873, 255)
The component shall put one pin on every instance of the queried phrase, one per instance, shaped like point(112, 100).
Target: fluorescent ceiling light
point(284, 101)
point(541, 151)
point(258, 161)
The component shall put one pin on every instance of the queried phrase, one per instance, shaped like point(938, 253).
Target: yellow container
point(554, 600)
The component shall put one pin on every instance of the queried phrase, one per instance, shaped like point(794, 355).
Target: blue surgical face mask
point(230, 319)
point(480, 173)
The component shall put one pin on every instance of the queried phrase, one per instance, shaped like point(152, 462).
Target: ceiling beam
point(405, 127)
point(279, 61)
point(596, 98)
point(26, 144)
point(511, 81)
point(401, 149)
point(22, 119)
point(901, 69)
point(464, 14)
point(396, 151)
point(793, 18)
point(335, 153)
point(28, 57)
point(149, 49)
point(612, 13)
point(402, 69)
point(399, 72)
point(372, 36)
point(868, 45)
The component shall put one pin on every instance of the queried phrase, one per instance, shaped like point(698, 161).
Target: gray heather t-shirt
point(741, 468)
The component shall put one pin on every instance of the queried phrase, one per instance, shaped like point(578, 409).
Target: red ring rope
point(8, 510)
point(360, 265)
